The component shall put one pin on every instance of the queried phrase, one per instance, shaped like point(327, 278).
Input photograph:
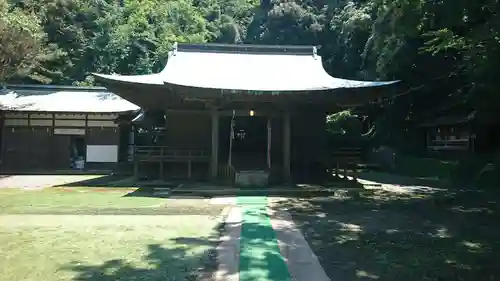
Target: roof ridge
point(247, 48)
point(36, 87)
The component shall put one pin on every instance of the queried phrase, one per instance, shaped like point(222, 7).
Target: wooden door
point(26, 149)
point(15, 148)
point(61, 152)
point(39, 151)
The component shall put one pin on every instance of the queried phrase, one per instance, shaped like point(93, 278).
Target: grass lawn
point(376, 235)
point(83, 234)
point(88, 201)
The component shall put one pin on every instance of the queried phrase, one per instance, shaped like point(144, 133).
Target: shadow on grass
point(184, 261)
point(376, 235)
point(180, 264)
point(206, 190)
point(160, 264)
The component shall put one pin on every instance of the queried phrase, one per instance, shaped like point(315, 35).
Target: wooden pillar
point(161, 163)
point(136, 168)
point(269, 139)
point(286, 146)
point(214, 164)
point(231, 139)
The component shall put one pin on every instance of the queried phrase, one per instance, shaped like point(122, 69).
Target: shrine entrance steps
point(254, 178)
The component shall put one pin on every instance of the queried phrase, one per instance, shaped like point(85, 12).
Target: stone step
point(251, 178)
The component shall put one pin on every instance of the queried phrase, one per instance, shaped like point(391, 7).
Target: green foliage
point(21, 41)
point(346, 129)
point(443, 51)
point(285, 23)
point(337, 121)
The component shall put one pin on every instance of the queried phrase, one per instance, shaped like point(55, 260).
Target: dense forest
point(445, 52)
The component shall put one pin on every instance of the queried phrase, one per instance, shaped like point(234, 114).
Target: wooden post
point(356, 173)
point(286, 146)
point(161, 163)
point(136, 163)
point(427, 140)
point(215, 144)
point(231, 138)
point(269, 143)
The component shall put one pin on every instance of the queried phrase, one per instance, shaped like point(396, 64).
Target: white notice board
point(102, 153)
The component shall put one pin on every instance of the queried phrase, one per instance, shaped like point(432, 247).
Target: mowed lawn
point(379, 235)
point(90, 234)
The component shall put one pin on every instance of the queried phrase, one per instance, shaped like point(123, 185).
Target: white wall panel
point(70, 123)
point(102, 153)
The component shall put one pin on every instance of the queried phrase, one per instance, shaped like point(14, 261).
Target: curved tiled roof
point(244, 68)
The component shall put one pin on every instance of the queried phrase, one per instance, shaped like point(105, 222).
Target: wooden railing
point(344, 159)
point(226, 172)
point(163, 153)
point(346, 155)
point(456, 144)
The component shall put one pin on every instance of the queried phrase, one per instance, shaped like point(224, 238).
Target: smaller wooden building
point(450, 134)
point(47, 128)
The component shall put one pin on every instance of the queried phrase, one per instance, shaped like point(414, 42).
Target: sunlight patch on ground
point(471, 210)
point(36, 182)
point(350, 227)
point(223, 200)
point(321, 215)
point(473, 246)
point(345, 238)
point(441, 232)
point(364, 274)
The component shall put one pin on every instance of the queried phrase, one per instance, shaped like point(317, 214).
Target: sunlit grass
point(51, 252)
point(96, 201)
point(55, 234)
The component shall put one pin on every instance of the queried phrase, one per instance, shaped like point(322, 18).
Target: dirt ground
point(41, 181)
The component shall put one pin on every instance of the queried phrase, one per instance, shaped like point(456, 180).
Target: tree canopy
point(444, 52)
point(21, 41)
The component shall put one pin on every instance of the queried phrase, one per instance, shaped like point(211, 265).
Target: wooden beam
point(136, 169)
point(269, 141)
point(214, 164)
point(238, 112)
point(161, 164)
point(286, 146)
point(231, 140)
point(190, 111)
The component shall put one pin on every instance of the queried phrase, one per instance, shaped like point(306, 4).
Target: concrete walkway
point(303, 264)
point(261, 244)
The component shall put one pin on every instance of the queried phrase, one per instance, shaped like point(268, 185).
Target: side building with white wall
point(50, 128)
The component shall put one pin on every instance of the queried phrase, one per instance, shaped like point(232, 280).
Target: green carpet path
point(260, 257)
